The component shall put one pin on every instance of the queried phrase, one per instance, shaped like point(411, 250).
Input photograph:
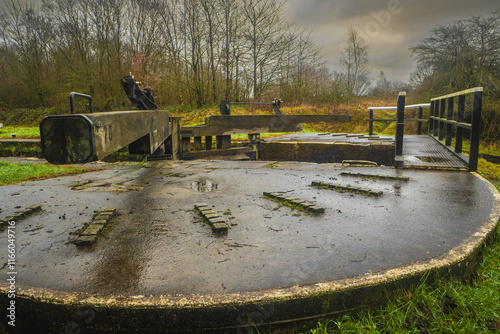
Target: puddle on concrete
point(204, 186)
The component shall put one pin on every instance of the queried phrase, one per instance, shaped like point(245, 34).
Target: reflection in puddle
point(204, 186)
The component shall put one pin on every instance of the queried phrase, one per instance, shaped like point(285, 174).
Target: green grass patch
point(18, 172)
point(488, 170)
point(21, 150)
point(444, 307)
point(20, 131)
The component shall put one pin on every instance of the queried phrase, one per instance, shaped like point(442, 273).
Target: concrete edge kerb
point(458, 262)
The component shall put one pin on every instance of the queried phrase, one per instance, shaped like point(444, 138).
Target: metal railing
point(444, 123)
point(72, 96)
point(419, 118)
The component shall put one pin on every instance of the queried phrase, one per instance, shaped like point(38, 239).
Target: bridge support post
point(370, 128)
point(208, 143)
point(442, 115)
point(419, 122)
point(475, 131)
point(460, 119)
point(175, 122)
point(431, 119)
point(449, 117)
point(400, 126)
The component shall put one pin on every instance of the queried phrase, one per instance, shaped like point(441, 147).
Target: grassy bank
point(445, 307)
point(20, 132)
point(18, 172)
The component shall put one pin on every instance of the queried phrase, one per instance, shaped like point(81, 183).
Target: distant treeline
point(191, 52)
point(460, 55)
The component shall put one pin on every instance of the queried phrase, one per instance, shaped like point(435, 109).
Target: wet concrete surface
point(158, 245)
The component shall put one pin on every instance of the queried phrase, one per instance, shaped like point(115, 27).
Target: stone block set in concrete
point(90, 234)
point(357, 190)
point(376, 176)
point(218, 224)
point(302, 205)
point(19, 215)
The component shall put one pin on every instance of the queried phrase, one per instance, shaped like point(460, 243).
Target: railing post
point(442, 113)
point(400, 126)
point(224, 141)
point(176, 134)
point(460, 119)
point(208, 143)
point(197, 144)
point(419, 121)
point(431, 120)
point(370, 127)
point(225, 107)
point(449, 117)
point(186, 144)
point(475, 131)
point(435, 131)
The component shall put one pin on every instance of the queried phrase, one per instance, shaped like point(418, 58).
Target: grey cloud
point(389, 34)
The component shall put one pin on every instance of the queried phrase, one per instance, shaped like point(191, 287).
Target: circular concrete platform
point(161, 267)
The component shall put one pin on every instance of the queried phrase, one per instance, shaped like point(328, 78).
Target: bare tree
point(354, 63)
point(144, 19)
point(197, 51)
point(231, 50)
point(266, 39)
point(173, 40)
point(28, 33)
point(107, 19)
point(72, 49)
point(300, 66)
point(213, 22)
point(195, 34)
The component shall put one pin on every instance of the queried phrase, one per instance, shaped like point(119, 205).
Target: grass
point(444, 307)
point(11, 173)
point(20, 131)
point(20, 150)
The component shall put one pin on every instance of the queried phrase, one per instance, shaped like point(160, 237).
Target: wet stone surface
point(160, 246)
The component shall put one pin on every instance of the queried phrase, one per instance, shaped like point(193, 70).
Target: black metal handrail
point(442, 122)
point(419, 118)
point(72, 101)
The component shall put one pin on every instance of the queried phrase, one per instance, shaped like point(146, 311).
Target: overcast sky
point(390, 27)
